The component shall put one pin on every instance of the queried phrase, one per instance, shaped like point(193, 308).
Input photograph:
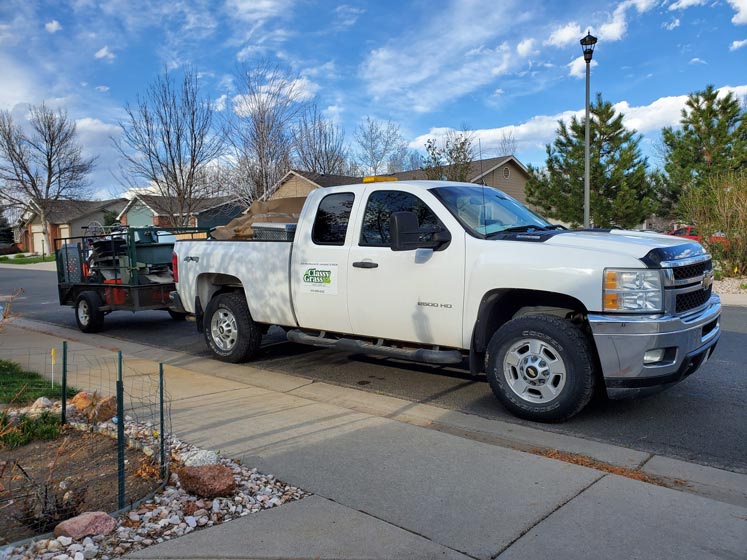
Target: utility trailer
point(122, 268)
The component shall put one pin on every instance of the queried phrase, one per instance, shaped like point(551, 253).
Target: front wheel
point(230, 332)
point(541, 368)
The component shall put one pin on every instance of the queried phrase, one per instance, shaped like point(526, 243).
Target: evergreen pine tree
point(711, 141)
point(621, 192)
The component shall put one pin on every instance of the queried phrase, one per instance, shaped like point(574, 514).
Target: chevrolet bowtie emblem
point(707, 280)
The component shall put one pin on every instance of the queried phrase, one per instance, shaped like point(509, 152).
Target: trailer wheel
point(541, 368)
point(88, 314)
point(230, 332)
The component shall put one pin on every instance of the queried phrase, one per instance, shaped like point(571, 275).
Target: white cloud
point(96, 136)
point(738, 45)
point(348, 15)
point(684, 4)
point(19, 84)
point(740, 6)
point(220, 103)
point(525, 47)
point(299, 90)
point(577, 68)
point(52, 26)
point(102, 89)
point(534, 134)
point(697, 60)
point(105, 53)
point(257, 10)
point(402, 72)
point(672, 24)
point(615, 28)
point(564, 36)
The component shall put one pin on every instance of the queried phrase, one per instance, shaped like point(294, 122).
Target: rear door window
point(332, 218)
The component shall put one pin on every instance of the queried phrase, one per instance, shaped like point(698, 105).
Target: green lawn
point(13, 379)
point(25, 260)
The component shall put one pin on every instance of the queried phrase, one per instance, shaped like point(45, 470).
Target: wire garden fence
point(113, 445)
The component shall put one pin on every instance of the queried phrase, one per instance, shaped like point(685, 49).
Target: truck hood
point(651, 248)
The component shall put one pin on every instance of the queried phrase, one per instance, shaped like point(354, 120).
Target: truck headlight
point(632, 291)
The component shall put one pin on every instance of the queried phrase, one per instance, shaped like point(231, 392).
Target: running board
point(352, 345)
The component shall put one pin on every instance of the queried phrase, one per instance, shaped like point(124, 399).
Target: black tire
point(88, 314)
point(176, 315)
point(541, 368)
point(230, 332)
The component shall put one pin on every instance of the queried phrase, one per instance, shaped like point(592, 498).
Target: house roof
point(478, 169)
point(323, 180)
point(65, 211)
point(164, 205)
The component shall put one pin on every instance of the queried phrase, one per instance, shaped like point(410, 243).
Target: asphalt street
point(702, 420)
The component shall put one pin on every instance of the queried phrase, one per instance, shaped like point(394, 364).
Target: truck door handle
point(365, 264)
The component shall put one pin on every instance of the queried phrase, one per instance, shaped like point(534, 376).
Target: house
point(154, 210)
point(505, 173)
point(66, 218)
point(297, 183)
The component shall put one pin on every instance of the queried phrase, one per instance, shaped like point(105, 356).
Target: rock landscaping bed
point(204, 489)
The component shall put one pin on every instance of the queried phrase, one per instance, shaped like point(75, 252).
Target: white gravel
point(170, 514)
point(730, 286)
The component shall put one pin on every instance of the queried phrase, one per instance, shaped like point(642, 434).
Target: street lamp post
point(587, 44)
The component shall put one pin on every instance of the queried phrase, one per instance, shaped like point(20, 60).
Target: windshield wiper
point(519, 229)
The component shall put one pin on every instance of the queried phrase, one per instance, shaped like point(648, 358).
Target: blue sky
point(493, 66)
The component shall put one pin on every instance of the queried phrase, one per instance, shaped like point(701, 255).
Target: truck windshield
point(485, 211)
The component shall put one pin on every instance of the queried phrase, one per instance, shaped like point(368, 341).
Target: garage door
point(40, 246)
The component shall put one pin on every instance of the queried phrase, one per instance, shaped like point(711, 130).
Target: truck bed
point(237, 262)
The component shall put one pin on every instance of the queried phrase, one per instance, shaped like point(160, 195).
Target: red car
point(690, 232)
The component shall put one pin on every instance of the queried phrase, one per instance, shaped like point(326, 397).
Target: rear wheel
point(541, 367)
point(230, 332)
point(88, 314)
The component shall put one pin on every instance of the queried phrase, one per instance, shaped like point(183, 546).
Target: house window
point(506, 172)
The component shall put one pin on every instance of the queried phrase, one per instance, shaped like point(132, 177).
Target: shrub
point(719, 207)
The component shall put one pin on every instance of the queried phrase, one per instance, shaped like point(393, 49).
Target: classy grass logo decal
point(316, 276)
point(319, 278)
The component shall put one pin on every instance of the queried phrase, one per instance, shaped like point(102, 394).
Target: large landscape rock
point(82, 401)
point(85, 524)
point(208, 481)
point(106, 409)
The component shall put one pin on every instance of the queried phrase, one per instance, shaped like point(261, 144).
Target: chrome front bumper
point(622, 341)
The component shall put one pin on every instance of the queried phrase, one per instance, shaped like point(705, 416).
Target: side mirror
point(404, 230)
point(407, 235)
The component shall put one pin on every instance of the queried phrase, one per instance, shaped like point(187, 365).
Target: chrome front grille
point(688, 284)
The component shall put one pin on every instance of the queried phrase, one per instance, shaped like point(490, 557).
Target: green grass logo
point(314, 276)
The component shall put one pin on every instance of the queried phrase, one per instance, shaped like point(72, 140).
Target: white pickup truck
point(444, 272)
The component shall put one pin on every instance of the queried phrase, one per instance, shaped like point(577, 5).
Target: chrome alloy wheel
point(224, 330)
point(534, 370)
point(84, 313)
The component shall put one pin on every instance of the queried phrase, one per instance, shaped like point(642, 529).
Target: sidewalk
point(397, 479)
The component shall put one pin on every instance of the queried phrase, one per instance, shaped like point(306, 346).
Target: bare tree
point(42, 165)
point(507, 145)
point(318, 144)
point(168, 139)
point(451, 159)
point(459, 153)
point(403, 159)
point(260, 124)
point(377, 141)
